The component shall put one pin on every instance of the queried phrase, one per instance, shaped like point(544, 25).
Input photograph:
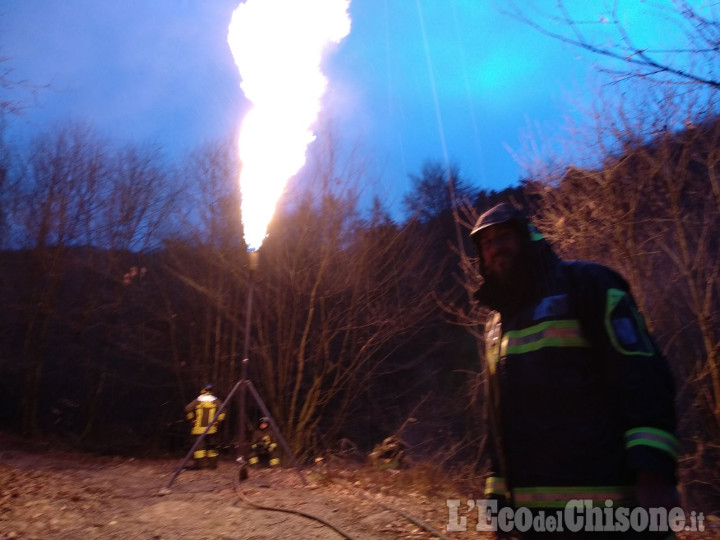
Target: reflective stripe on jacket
point(201, 411)
point(578, 395)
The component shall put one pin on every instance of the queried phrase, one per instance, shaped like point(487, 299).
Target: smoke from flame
point(278, 47)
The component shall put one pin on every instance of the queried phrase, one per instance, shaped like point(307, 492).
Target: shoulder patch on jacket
point(551, 306)
point(625, 325)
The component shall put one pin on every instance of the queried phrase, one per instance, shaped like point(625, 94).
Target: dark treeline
point(125, 285)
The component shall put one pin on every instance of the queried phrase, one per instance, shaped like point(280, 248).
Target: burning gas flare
point(278, 47)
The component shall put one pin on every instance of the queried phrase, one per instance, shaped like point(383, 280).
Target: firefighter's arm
point(643, 389)
point(654, 490)
point(495, 485)
point(496, 488)
point(219, 419)
point(190, 410)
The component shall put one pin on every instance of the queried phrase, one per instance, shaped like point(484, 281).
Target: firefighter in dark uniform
point(580, 402)
point(263, 450)
point(200, 412)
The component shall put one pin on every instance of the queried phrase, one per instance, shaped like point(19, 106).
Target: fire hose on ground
point(413, 519)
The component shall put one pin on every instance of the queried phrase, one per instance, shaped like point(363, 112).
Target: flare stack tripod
point(244, 385)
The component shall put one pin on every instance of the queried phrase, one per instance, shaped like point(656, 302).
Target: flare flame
point(278, 47)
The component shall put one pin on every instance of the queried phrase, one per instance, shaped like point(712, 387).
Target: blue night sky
point(411, 74)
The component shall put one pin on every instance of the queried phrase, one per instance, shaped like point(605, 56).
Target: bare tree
point(691, 55)
point(73, 198)
point(208, 262)
point(336, 296)
point(13, 91)
point(52, 200)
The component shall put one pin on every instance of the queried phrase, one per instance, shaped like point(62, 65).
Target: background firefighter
point(263, 450)
point(200, 412)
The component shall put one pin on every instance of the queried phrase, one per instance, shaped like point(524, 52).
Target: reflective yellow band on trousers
point(559, 496)
point(562, 333)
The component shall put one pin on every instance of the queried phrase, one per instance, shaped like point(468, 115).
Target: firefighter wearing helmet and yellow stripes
point(200, 413)
point(263, 450)
point(579, 400)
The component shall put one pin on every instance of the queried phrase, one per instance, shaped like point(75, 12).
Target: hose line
point(244, 498)
point(413, 519)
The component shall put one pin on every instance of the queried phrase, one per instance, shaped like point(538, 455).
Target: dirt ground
point(51, 494)
point(47, 494)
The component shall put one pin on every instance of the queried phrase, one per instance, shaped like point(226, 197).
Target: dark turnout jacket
point(578, 395)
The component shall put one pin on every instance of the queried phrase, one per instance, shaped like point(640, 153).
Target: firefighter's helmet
point(501, 213)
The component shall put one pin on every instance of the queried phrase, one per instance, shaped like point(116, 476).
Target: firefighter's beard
point(509, 284)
